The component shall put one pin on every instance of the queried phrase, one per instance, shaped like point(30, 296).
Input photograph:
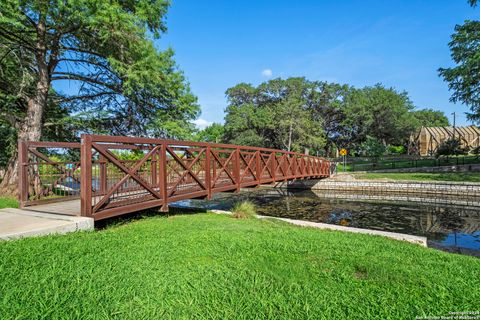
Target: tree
point(464, 78)
point(430, 118)
point(212, 133)
point(276, 114)
point(289, 102)
point(372, 147)
point(328, 107)
point(14, 82)
point(105, 49)
point(380, 112)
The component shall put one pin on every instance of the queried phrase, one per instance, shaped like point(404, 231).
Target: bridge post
point(258, 168)
point(236, 168)
point(208, 175)
point(103, 175)
point(153, 168)
point(86, 175)
point(22, 173)
point(294, 166)
point(163, 177)
point(273, 165)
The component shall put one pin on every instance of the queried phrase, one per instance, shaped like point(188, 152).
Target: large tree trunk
point(31, 128)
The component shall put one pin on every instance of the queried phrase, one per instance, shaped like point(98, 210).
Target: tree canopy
point(379, 112)
point(464, 78)
point(322, 116)
point(431, 118)
point(276, 114)
point(122, 84)
point(213, 133)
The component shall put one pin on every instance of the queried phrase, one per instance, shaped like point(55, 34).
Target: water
point(450, 224)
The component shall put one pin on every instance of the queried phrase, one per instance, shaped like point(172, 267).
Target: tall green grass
point(214, 267)
point(8, 202)
point(244, 210)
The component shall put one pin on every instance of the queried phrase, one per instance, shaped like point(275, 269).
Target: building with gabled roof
point(426, 140)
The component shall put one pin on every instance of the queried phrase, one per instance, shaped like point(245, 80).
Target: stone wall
point(459, 168)
point(463, 189)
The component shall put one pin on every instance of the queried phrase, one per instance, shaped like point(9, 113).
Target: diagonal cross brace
point(129, 173)
point(266, 166)
point(188, 170)
point(223, 167)
point(248, 168)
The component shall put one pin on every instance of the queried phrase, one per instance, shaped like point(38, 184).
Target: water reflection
point(451, 224)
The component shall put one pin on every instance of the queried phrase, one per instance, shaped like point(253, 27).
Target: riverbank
point(207, 265)
point(349, 182)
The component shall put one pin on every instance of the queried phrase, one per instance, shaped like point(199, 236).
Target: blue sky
point(398, 43)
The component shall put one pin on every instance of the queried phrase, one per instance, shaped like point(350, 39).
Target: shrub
point(450, 147)
point(396, 149)
point(372, 147)
point(244, 210)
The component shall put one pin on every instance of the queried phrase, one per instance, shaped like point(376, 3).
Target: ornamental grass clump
point(244, 210)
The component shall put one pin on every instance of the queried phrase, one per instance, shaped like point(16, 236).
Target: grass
point(7, 202)
point(213, 266)
point(244, 210)
point(359, 164)
point(420, 176)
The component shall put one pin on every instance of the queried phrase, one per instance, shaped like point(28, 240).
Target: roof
point(448, 131)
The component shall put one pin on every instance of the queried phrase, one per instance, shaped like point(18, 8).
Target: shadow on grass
point(135, 216)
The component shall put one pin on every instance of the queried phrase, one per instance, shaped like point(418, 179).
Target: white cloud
point(267, 73)
point(202, 123)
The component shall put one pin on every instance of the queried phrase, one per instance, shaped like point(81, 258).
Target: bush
point(396, 149)
point(244, 210)
point(450, 147)
point(475, 151)
point(372, 147)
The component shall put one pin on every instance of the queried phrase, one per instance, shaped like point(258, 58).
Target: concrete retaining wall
point(447, 188)
point(460, 168)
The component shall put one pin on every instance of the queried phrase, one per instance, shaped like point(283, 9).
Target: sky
point(400, 44)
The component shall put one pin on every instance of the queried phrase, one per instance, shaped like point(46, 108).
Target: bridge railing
point(48, 171)
point(116, 175)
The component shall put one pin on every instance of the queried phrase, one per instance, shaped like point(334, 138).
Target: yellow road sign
point(343, 152)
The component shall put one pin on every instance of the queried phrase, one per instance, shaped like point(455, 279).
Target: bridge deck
point(69, 207)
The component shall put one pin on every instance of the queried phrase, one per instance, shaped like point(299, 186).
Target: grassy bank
point(212, 266)
point(368, 164)
point(420, 176)
point(6, 202)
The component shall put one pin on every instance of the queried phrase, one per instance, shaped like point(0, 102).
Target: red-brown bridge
point(117, 175)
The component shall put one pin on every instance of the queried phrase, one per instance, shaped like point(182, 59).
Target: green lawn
point(419, 176)
point(6, 202)
point(213, 266)
point(359, 164)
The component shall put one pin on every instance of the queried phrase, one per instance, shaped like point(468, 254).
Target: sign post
point(343, 153)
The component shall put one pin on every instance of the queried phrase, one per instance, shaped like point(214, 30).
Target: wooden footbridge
point(106, 176)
